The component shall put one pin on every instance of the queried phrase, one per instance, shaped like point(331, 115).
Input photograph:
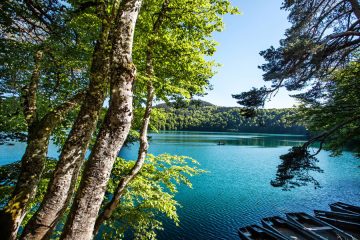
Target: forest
point(200, 116)
point(85, 74)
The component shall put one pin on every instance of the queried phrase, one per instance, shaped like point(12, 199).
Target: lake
point(236, 191)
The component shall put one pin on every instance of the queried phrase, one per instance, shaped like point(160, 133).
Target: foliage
point(149, 196)
point(67, 42)
point(179, 47)
point(324, 36)
point(65, 33)
point(334, 121)
point(337, 113)
point(8, 177)
point(213, 118)
point(184, 104)
point(11, 119)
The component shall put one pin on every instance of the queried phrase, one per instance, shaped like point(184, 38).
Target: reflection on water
point(296, 169)
point(237, 190)
point(211, 138)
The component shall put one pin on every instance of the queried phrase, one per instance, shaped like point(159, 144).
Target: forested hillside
point(204, 117)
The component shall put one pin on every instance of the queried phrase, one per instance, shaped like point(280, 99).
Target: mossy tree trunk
point(116, 126)
point(33, 161)
point(144, 145)
point(124, 181)
point(62, 185)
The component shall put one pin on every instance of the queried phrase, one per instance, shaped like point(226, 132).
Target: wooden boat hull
point(344, 207)
point(338, 215)
point(288, 229)
point(318, 227)
point(256, 232)
point(348, 226)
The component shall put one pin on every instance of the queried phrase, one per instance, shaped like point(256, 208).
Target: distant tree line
point(204, 117)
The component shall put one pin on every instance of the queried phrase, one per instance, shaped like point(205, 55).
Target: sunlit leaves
point(67, 46)
point(180, 45)
point(150, 195)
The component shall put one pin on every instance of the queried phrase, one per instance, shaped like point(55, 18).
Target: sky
point(261, 25)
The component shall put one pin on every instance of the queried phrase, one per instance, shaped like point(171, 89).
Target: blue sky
point(260, 25)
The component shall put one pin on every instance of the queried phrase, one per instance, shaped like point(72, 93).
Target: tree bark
point(62, 185)
point(124, 181)
point(144, 145)
point(32, 166)
point(117, 123)
point(29, 95)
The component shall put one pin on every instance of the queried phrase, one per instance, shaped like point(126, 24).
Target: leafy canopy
point(180, 46)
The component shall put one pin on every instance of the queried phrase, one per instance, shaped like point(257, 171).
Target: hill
point(213, 118)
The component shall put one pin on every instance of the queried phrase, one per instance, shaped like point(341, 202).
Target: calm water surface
point(236, 191)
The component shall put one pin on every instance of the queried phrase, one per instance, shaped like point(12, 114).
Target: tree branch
point(356, 7)
point(322, 136)
point(53, 118)
point(29, 94)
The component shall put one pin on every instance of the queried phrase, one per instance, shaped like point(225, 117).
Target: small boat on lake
point(288, 229)
point(318, 227)
point(351, 228)
point(338, 215)
point(256, 232)
point(220, 143)
point(344, 207)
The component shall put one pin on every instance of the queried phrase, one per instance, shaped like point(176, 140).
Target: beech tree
point(73, 152)
point(148, 195)
point(174, 21)
point(180, 31)
point(27, 30)
point(116, 126)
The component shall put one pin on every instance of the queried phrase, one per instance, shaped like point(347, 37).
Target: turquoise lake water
point(236, 191)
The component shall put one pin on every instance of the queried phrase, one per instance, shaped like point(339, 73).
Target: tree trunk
point(29, 95)
point(124, 181)
point(116, 126)
point(62, 185)
point(144, 145)
point(32, 166)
